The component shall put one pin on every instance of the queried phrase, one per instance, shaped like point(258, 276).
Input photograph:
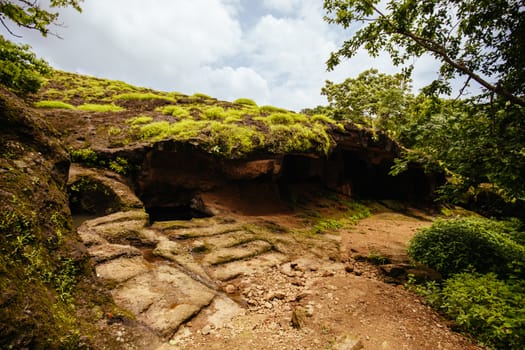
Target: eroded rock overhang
point(182, 177)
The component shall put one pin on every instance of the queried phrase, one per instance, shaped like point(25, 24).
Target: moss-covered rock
point(44, 270)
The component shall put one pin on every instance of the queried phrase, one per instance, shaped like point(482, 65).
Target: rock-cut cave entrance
point(181, 212)
point(169, 185)
point(171, 204)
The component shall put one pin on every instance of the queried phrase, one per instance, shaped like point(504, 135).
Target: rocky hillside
point(173, 147)
point(196, 222)
point(48, 290)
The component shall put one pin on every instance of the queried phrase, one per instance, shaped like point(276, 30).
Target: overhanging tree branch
point(441, 51)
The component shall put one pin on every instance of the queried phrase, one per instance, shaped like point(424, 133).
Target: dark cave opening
point(175, 213)
point(363, 175)
point(166, 203)
point(89, 196)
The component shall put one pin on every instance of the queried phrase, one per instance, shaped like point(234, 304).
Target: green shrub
point(200, 95)
point(120, 165)
point(467, 245)
point(143, 96)
point(245, 101)
point(232, 140)
point(92, 107)
point(321, 118)
point(282, 118)
point(84, 155)
point(272, 109)
point(20, 69)
point(175, 111)
point(215, 113)
point(324, 225)
point(155, 129)
point(299, 138)
point(489, 308)
point(186, 129)
point(140, 120)
point(54, 104)
point(114, 131)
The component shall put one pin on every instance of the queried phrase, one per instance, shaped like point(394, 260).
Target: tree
point(20, 70)
point(372, 99)
point(481, 40)
point(29, 14)
point(481, 140)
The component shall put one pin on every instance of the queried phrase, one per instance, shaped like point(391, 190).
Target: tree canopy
point(372, 99)
point(31, 15)
point(480, 141)
point(481, 40)
point(20, 69)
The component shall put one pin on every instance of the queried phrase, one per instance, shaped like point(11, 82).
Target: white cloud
point(230, 83)
point(273, 51)
point(290, 53)
point(284, 6)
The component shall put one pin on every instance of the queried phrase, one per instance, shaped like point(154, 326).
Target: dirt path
point(261, 282)
point(333, 309)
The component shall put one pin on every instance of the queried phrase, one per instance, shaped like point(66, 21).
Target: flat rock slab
point(127, 227)
point(104, 252)
point(122, 269)
point(243, 251)
point(193, 223)
point(163, 298)
point(121, 216)
point(235, 269)
point(221, 311)
point(173, 251)
point(202, 231)
point(229, 239)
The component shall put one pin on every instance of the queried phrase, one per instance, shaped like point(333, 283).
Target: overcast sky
point(272, 51)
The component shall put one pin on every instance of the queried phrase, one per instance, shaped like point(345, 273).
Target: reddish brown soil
point(336, 304)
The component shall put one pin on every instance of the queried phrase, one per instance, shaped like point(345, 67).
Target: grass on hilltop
point(229, 129)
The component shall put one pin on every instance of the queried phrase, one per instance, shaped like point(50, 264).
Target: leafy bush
point(120, 165)
point(299, 138)
point(20, 70)
point(143, 96)
point(467, 245)
point(114, 131)
point(215, 113)
point(54, 104)
point(200, 95)
point(91, 107)
point(487, 307)
point(175, 111)
point(245, 101)
point(84, 155)
point(155, 129)
point(272, 109)
point(286, 118)
point(140, 120)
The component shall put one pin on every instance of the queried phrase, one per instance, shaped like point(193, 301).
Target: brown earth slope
point(238, 281)
point(216, 240)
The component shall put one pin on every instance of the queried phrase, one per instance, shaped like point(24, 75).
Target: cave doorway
point(165, 203)
point(181, 212)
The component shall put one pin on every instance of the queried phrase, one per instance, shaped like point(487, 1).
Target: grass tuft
point(54, 104)
point(141, 96)
point(92, 107)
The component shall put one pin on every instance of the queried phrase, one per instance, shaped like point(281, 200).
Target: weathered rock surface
point(46, 279)
point(99, 191)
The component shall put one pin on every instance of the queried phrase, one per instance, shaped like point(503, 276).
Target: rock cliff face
point(47, 285)
point(174, 176)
